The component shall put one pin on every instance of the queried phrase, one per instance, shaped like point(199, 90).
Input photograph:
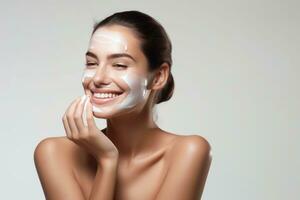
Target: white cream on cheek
point(88, 73)
point(137, 93)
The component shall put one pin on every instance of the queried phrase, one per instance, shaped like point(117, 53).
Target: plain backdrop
point(236, 71)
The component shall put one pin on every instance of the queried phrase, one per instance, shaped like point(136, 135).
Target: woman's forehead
point(109, 40)
point(117, 39)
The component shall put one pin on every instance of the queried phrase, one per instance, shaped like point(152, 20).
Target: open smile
point(105, 98)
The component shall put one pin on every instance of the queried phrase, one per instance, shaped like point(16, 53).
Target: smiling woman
point(127, 73)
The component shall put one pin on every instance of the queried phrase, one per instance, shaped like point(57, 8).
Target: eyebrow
point(111, 56)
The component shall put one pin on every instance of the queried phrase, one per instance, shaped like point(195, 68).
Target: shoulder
point(194, 143)
point(190, 158)
point(55, 168)
point(191, 146)
point(55, 148)
point(51, 144)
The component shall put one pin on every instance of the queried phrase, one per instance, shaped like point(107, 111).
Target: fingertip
point(88, 103)
point(89, 99)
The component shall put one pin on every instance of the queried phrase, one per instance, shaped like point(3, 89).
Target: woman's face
point(115, 75)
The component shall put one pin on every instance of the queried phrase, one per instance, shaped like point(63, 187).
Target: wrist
point(108, 162)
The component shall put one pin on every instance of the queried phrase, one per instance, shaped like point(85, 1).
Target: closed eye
point(119, 65)
point(90, 64)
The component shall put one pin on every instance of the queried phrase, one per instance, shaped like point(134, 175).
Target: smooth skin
point(130, 159)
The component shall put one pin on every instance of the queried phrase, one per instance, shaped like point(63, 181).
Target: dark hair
point(155, 43)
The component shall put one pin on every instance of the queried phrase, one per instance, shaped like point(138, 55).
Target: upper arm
point(188, 170)
point(54, 171)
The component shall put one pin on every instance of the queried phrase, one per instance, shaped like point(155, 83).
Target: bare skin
point(132, 158)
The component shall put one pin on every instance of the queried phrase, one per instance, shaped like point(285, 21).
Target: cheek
point(137, 92)
point(121, 83)
point(133, 82)
point(88, 73)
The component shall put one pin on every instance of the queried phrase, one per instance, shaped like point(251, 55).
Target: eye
point(119, 65)
point(90, 64)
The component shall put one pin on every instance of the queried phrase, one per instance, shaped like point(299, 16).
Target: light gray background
point(236, 70)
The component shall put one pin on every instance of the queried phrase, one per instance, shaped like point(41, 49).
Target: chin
point(116, 113)
point(104, 115)
point(107, 115)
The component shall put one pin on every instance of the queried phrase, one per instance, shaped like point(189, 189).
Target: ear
point(160, 76)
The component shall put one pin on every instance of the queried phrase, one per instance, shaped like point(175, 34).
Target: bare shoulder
point(190, 158)
point(195, 142)
point(51, 142)
point(52, 145)
point(60, 149)
point(192, 146)
point(53, 158)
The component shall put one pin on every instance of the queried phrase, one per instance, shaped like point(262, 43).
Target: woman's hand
point(88, 135)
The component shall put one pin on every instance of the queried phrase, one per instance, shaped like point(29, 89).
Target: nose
point(101, 77)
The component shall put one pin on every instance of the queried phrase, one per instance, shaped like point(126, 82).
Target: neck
point(130, 132)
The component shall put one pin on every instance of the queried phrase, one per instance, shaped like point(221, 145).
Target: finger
point(66, 126)
point(66, 123)
point(70, 118)
point(89, 115)
point(78, 114)
point(84, 113)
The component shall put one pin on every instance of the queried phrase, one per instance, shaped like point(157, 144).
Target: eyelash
point(119, 65)
point(89, 64)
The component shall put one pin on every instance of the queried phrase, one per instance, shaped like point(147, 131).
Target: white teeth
point(105, 95)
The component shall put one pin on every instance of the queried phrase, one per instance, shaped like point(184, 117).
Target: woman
point(127, 73)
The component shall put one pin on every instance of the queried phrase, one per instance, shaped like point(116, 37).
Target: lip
point(105, 91)
point(101, 101)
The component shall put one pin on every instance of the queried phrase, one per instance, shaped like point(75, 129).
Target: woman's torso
point(136, 179)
